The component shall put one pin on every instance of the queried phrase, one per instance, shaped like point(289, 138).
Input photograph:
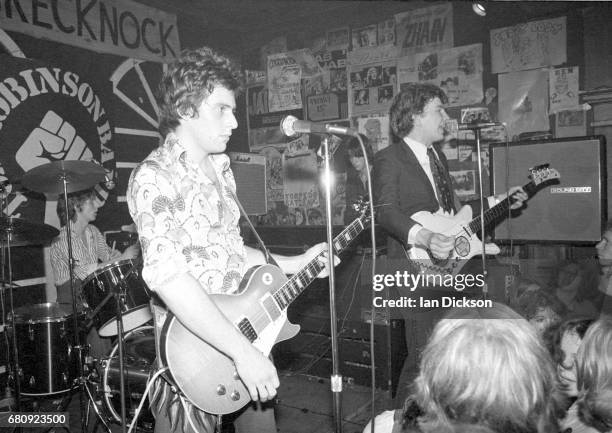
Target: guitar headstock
point(543, 173)
point(362, 207)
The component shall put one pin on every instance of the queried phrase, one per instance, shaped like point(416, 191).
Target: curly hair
point(190, 79)
point(487, 366)
point(594, 375)
point(408, 103)
point(75, 204)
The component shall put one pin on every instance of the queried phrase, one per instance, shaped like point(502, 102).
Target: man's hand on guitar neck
point(257, 372)
point(438, 244)
point(517, 195)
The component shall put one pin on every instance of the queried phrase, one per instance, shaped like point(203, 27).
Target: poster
point(338, 38)
point(530, 45)
point(372, 87)
point(464, 182)
point(386, 32)
point(332, 102)
point(365, 36)
point(563, 89)
point(284, 75)
point(300, 174)
point(457, 71)
point(263, 126)
point(376, 128)
point(425, 30)
point(523, 101)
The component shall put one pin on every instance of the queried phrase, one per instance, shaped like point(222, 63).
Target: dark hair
point(75, 203)
point(190, 79)
point(410, 102)
point(354, 149)
point(530, 302)
point(553, 335)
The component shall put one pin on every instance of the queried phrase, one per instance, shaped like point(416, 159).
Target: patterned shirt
point(85, 253)
point(184, 224)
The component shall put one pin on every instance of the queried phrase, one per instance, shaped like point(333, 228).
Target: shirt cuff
point(412, 233)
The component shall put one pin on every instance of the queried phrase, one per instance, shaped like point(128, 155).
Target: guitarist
point(181, 198)
point(411, 176)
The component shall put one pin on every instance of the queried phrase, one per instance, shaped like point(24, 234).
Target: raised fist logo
point(55, 139)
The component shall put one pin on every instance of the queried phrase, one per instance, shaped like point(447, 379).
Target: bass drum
point(139, 355)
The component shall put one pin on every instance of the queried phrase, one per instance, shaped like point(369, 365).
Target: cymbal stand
point(77, 336)
point(16, 370)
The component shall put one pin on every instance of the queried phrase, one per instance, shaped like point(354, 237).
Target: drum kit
point(49, 355)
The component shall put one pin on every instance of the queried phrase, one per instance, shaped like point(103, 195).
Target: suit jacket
point(401, 188)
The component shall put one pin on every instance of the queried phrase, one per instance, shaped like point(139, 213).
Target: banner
point(120, 27)
point(531, 45)
point(457, 71)
point(425, 29)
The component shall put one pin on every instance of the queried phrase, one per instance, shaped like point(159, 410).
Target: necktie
point(442, 181)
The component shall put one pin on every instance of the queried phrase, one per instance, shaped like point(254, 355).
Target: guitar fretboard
point(289, 291)
point(498, 211)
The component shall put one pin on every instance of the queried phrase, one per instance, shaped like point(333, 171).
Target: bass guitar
point(206, 376)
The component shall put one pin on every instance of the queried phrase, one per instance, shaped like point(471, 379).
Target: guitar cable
point(145, 394)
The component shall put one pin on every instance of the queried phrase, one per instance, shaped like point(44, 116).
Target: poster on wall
point(563, 89)
point(300, 174)
point(263, 126)
point(376, 129)
point(372, 87)
point(332, 103)
point(366, 36)
point(530, 45)
point(425, 30)
point(457, 71)
point(338, 38)
point(386, 32)
point(284, 76)
point(523, 101)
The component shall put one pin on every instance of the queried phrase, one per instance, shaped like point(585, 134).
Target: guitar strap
point(269, 259)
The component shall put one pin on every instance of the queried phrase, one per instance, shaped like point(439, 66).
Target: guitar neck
point(499, 211)
point(289, 291)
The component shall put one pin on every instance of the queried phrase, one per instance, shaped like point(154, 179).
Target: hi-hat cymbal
point(49, 178)
point(23, 232)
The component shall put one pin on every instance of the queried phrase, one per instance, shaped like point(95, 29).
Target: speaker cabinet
point(571, 210)
point(250, 174)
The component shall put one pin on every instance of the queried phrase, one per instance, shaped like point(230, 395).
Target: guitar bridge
point(247, 329)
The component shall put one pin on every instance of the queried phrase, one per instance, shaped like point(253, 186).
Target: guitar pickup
point(247, 329)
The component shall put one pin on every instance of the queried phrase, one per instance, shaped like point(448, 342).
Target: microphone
point(477, 125)
point(292, 126)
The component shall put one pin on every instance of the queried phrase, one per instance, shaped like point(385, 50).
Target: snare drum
point(139, 355)
point(45, 342)
point(99, 289)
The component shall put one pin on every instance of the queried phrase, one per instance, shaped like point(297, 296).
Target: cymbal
point(49, 178)
point(25, 233)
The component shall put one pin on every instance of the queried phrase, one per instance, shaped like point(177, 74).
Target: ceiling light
point(479, 9)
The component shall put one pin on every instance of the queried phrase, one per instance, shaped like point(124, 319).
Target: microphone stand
point(336, 377)
point(485, 288)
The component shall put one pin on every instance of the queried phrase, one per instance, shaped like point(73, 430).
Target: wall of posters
point(458, 71)
point(529, 45)
point(425, 30)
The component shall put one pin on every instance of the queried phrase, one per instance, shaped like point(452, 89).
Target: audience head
point(189, 80)
point(76, 201)
point(487, 366)
point(540, 308)
point(594, 375)
point(604, 247)
point(563, 341)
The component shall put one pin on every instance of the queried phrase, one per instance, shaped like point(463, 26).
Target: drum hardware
point(58, 179)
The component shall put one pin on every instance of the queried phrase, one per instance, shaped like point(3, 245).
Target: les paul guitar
point(464, 229)
point(206, 376)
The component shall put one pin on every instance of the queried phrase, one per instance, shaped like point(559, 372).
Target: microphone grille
point(286, 125)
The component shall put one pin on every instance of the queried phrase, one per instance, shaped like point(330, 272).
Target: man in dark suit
point(410, 179)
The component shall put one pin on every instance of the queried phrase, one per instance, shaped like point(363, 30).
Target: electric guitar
point(207, 377)
point(464, 230)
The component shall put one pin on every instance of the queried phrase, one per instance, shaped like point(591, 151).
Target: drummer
point(89, 250)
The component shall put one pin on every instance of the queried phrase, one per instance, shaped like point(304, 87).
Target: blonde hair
point(487, 366)
point(594, 375)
